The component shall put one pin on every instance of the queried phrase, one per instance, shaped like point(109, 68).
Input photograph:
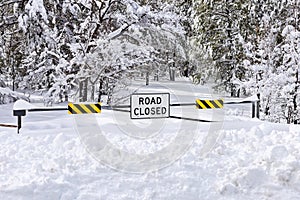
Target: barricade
point(142, 106)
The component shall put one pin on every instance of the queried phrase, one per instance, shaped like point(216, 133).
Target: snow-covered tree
point(11, 45)
point(220, 28)
point(272, 61)
point(88, 46)
point(170, 44)
point(291, 68)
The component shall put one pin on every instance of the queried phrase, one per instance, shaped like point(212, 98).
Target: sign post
point(19, 114)
point(149, 105)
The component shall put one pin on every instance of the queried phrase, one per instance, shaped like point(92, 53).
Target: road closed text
point(149, 106)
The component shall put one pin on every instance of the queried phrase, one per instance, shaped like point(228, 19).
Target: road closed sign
point(149, 105)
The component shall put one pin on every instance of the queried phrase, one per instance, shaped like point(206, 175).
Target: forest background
point(84, 49)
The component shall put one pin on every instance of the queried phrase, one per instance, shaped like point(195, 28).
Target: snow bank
point(261, 162)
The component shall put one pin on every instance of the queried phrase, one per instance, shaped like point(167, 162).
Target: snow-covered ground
point(237, 158)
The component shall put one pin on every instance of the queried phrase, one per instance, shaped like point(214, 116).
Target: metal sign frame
point(134, 94)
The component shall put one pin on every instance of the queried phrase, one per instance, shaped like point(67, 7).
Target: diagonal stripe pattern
point(84, 108)
point(209, 104)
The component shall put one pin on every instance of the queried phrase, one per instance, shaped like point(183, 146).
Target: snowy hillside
point(237, 158)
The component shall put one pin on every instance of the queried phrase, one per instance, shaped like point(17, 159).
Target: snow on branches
point(71, 46)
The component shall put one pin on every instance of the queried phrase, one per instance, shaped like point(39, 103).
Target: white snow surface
point(22, 105)
point(245, 159)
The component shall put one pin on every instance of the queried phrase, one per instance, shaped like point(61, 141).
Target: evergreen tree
point(273, 74)
point(220, 28)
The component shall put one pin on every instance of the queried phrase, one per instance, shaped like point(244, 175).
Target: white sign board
point(149, 105)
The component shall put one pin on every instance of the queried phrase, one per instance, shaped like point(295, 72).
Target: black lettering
point(163, 110)
point(147, 100)
point(141, 101)
point(141, 112)
point(153, 100)
point(158, 100)
point(147, 111)
point(135, 111)
point(153, 111)
point(158, 110)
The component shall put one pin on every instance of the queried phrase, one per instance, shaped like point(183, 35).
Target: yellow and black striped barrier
point(209, 104)
point(81, 108)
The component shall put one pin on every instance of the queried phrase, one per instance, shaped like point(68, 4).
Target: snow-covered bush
point(9, 96)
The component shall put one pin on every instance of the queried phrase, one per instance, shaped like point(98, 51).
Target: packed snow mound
point(22, 105)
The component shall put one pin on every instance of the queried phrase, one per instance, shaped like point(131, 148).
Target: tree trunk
point(258, 106)
point(172, 69)
point(85, 90)
point(93, 92)
point(100, 89)
point(172, 73)
point(231, 90)
point(66, 98)
point(13, 82)
point(296, 114)
point(80, 91)
point(156, 76)
point(93, 83)
point(147, 78)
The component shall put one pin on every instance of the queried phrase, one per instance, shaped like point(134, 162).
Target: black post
point(19, 123)
point(253, 109)
point(147, 77)
point(258, 106)
point(257, 109)
point(19, 114)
